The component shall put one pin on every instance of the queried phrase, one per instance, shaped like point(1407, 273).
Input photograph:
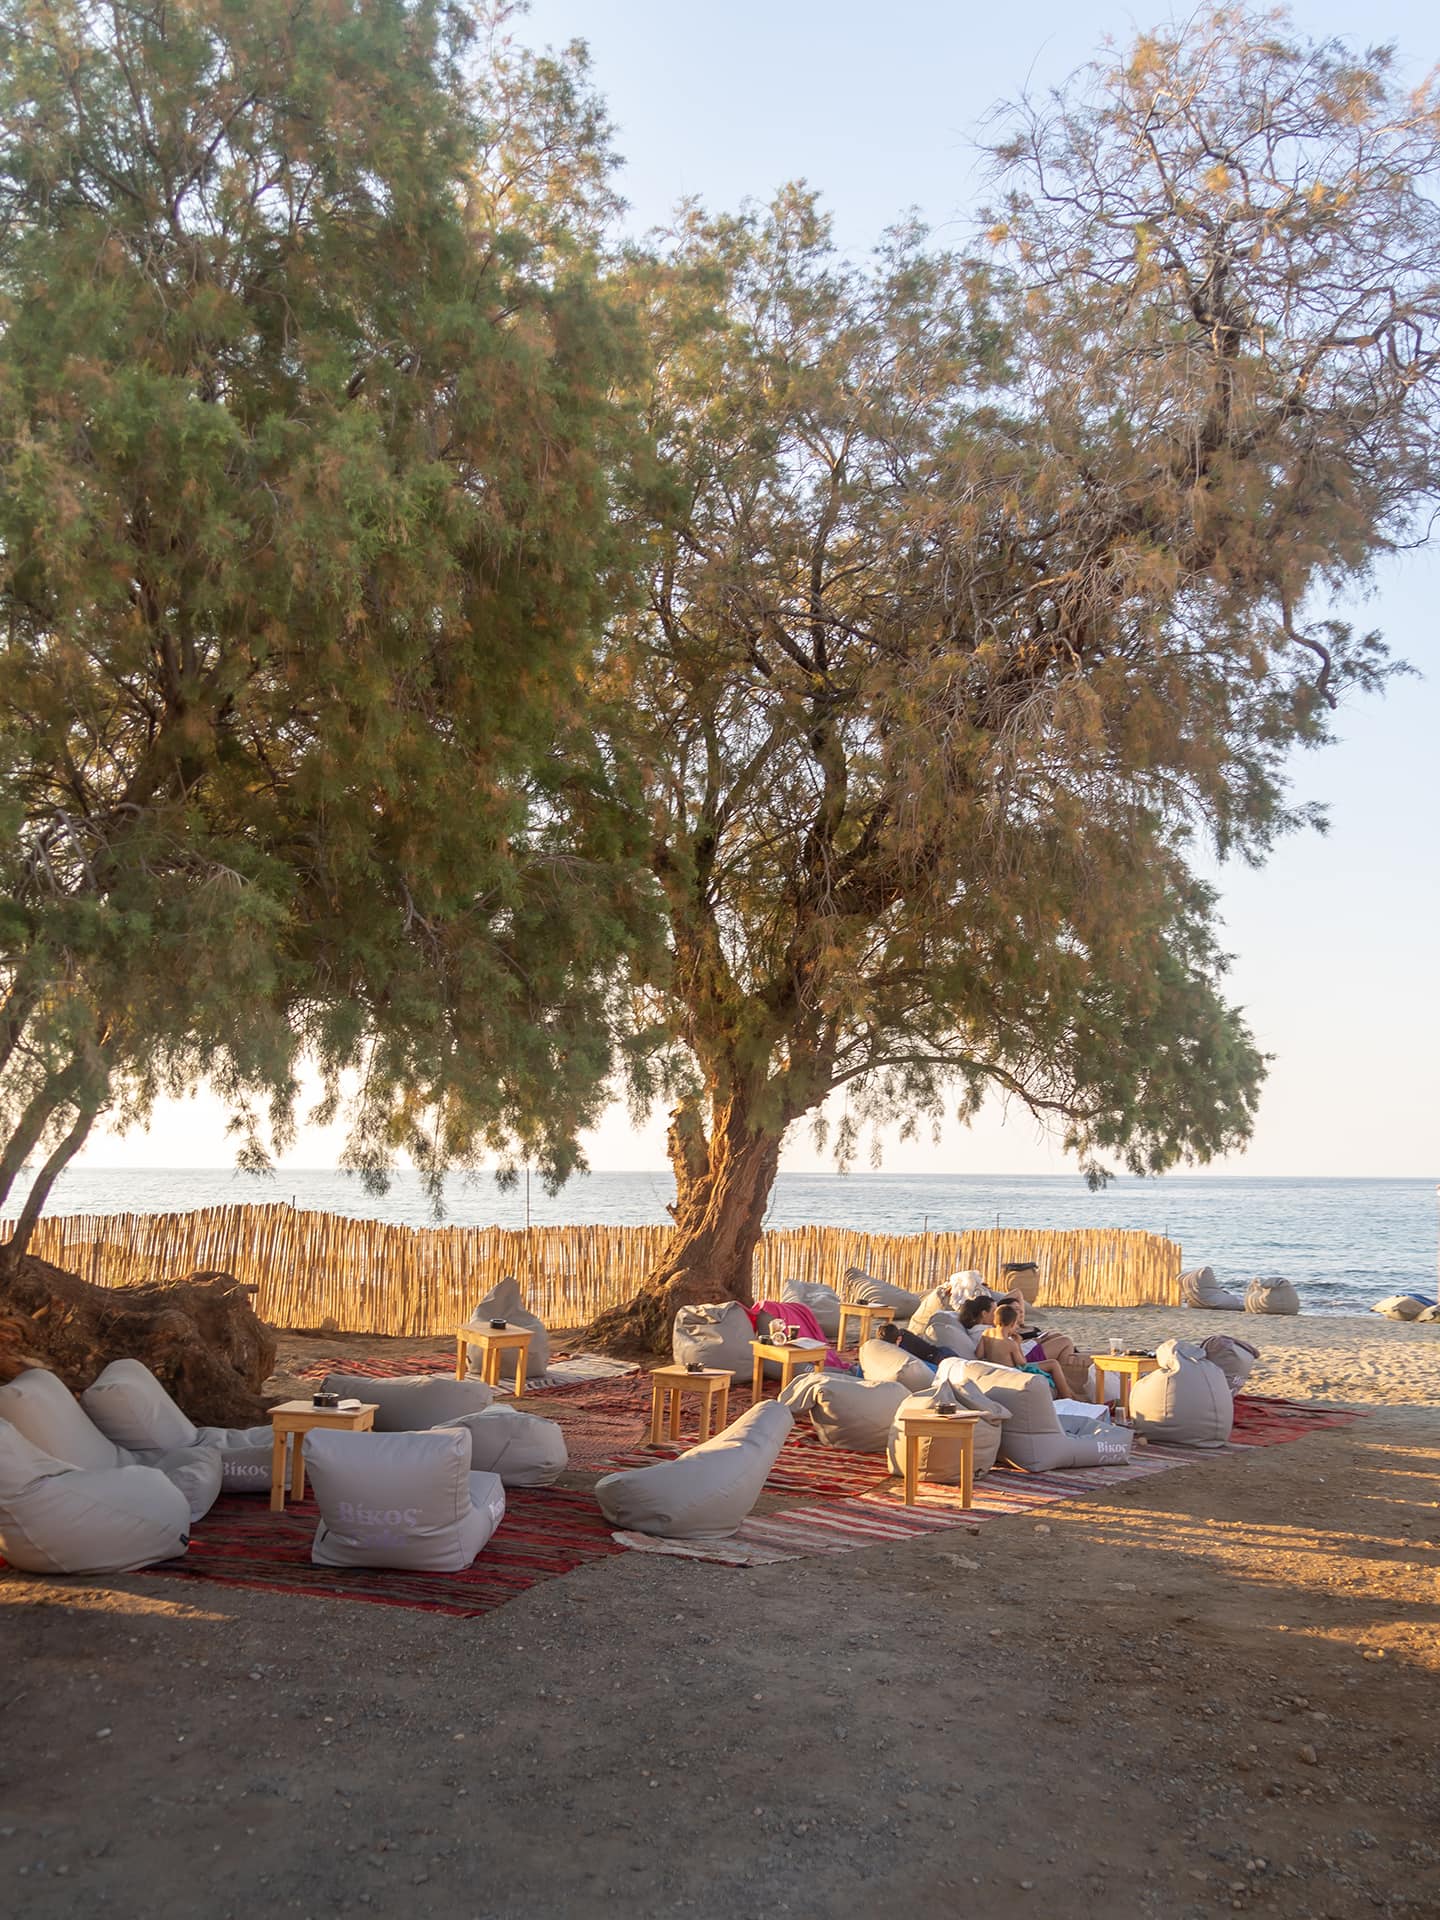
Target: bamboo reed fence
point(366, 1276)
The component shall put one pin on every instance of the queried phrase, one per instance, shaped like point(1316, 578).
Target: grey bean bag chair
point(846, 1412)
point(1186, 1401)
point(866, 1290)
point(506, 1302)
point(716, 1336)
point(523, 1449)
point(399, 1500)
point(939, 1453)
point(936, 1319)
point(43, 1408)
point(1033, 1439)
point(1235, 1358)
point(1271, 1296)
point(59, 1518)
point(1401, 1306)
point(1429, 1316)
point(707, 1492)
point(1200, 1288)
point(130, 1407)
point(413, 1405)
point(882, 1360)
point(822, 1301)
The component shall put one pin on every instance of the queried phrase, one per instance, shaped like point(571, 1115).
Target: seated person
point(1002, 1348)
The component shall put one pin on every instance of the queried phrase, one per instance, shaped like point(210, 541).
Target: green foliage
point(306, 454)
point(979, 598)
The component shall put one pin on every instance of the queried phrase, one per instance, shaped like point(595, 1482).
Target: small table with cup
point(1127, 1368)
point(494, 1340)
point(790, 1354)
point(298, 1417)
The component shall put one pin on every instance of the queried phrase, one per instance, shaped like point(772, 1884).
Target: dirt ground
point(1215, 1691)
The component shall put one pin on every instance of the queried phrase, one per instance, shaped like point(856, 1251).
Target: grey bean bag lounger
point(939, 1453)
point(707, 1492)
point(1401, 1306)
point(1200, 1288)
point(865, 1290)
point(43, 1408)
point(58, 1518)
point(1235, 1358)
point(1272, 1296)
point(716, 1336)
point(846, 1412)
point(130, 1407)
point(506, 1302)
point(1033, 1438)
point(399, 1500)
point(1186, 1401)
point(882, 1360)
point(413, 1405)
point(822, 1301)
point(523, 1449)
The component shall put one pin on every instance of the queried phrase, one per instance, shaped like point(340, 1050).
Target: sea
point(1346, 1243)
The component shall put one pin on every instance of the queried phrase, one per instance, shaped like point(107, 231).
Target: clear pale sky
point(1337, 939)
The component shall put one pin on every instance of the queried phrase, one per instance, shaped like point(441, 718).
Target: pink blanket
point(798, 1316)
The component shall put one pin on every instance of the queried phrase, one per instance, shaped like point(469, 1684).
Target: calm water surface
point(1345, 1243)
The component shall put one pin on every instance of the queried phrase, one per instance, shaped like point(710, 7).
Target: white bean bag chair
point(716, 1336)
point(43, 1408)
point(883, 1360)
point(1430, 1315)
point(822, 1301)
point(937, 1319)
point(1033, 1438)
point(1235, 1358)
point(1272, 1296)
point(59, 1518)
point(1401, 1306)
point(130, 1407)
point(707, 1492)
point(1200, 1288)
point(506, 1302)
point(399, 1500)
point(846, 1412)
point(523, 1449)
point(1186, 1401)
point(865, 1290)
point(940, 1453)
point(413, 1404)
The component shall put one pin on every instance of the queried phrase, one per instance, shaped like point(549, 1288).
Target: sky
point(882, 109)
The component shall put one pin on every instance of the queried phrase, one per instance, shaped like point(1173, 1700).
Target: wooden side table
point(867, 1316)
point(298, 1417)
point(790, 1357)
point(916, 1427)
point(1127, 1368)
point(493, 1342)
point(668, 1387)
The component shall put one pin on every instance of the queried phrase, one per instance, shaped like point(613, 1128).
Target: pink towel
point(793, 1314)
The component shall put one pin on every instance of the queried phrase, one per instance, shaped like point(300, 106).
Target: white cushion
point(1401, 1306)
point(56, 1518)
point(506, 1302)
point(523, 1449)
point(413, 1404)
point(399, 1500)
point(707, 1492)
point(715, 1336)
point(846, 1412)
point(1187, 1400)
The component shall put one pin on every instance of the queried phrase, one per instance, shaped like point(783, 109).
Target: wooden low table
point(1127, 1368)
point(790, 1358)
point(493, 1343)
point(916, 1427)
point(867, 1316)
point(668, 1388)
point(298, 1417)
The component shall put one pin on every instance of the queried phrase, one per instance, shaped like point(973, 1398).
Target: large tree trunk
point(722, 1189)
point(200, 1337)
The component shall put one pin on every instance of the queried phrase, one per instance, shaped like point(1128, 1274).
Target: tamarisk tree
point(305, 455)
point(987, 598)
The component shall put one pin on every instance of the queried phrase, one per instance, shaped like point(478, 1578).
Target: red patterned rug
point(546, 1531)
